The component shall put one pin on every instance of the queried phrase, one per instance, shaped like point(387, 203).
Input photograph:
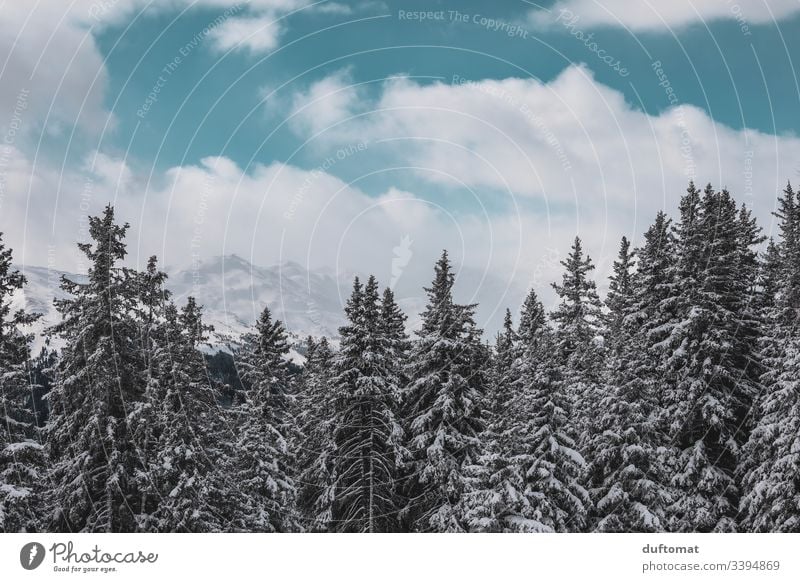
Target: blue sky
point(346, 134)
point(742, 79)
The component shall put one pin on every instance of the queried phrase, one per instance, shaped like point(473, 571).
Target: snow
point(16, 448)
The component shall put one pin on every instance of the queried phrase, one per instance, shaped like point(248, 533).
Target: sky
point(367, 136)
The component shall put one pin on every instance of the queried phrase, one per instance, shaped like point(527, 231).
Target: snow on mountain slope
point(42, 287)
point(233, 293)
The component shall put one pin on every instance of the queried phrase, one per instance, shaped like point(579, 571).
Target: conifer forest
point(671, 404)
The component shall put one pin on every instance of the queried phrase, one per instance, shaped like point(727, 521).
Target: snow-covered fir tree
point(506, 352)
point(23, 475)
point(706, 356)
point(265, 461)
point(578, 314)
point(316, 449)
point(618, 299)
point(443, 401)
point(489, 480)
point(630, 482)
point(146, 423)
point(532, 324)
point(191, 470)
point(546, 483)
point(770, 463)
point(97, 378)
point(367, 434)
point(788, 214)
point(771, 482)
point(578, 319)
point(392, 328)
point(518, 485)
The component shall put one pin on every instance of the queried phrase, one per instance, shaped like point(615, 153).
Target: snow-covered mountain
point(42, 287)
point(233, 293)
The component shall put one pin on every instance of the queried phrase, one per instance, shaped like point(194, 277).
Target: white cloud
point(648, 15)
point(325, 103)
point(50, 53)
point(552, 159)
point(564, 157)
point(270, 214)
point(572, 144)
point(258, 34)
point(51, 57)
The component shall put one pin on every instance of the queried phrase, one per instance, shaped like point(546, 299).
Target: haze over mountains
point(309, 301)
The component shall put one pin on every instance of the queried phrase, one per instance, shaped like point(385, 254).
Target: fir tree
point(707, 355)
point(316, 447)
point(550, 469)
point(771, 502)
point(532, 323)
point(505, 356)
point(504, 493)
point(265, 460)
point(620, 290)
point(629, 451)
point(578, 318)
point(579, 310)
point(145, 419)
point(443, 407)
point(368, 437)
point(392, 328)
point(22, 463)
point(97, 378)
point(769, 468)
point(770, 281)
point(788, 214)
point(189, 467)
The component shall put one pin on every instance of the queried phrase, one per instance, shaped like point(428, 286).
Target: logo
point(31, 555)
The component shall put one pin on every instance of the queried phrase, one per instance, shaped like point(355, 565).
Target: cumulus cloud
point(325, 103)
point(571, 146)
point(51, 56)
point(52, 61)
point(257, 34)
point(273, 213)
point(544, 161)
point(651, 15)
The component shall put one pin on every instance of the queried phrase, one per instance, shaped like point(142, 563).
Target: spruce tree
point(443, 415)
point(788, 214)
point(630, 479)
point(145, 418)
point(578, 318)
point(532, 323)
point(551, 470)
point(23, 477)
point(505, 356)
point(771, 500)
point(579, 310)
point(265, 461)
point(316, 447)
point(190, 467)
point(769, 468)
point(620, 291)
point(706, 357)
point(97, 379)
point(367, 434)
point(392, 328)
point(505, 489)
